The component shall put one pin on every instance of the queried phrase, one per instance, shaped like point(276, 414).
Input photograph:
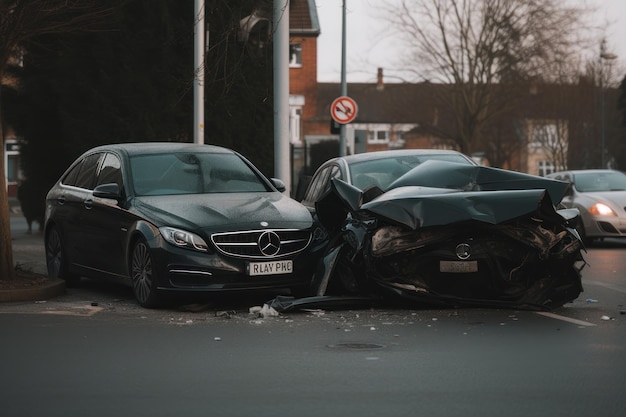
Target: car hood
point(439, 193)
point(618, 198)
point(224, 211)
point(417, 207)
point(450, 175)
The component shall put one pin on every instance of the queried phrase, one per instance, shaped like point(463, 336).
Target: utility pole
point(604, 56)
point(344, 84)
point(199, 69)
point(282, 165)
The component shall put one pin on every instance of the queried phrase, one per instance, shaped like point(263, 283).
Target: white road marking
point(566, 319)
point(607, 285)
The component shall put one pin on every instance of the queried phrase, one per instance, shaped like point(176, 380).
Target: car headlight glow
point(601, 209)
point(183, 239)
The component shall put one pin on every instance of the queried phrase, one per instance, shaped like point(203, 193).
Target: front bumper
point(179, 269)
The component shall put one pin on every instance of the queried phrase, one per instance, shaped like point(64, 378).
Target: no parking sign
point(343, 109)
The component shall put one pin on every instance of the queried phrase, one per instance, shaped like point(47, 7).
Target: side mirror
point(280, 186)
point(111, 191)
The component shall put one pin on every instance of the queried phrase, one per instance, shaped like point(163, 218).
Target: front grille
point(246, 244)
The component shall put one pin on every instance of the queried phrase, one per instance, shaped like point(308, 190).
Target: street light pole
point(198, 79)
point(604, 56)
point(344, 83)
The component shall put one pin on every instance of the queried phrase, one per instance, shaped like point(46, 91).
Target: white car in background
point(600, 196)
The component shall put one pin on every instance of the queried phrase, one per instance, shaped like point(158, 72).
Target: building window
point(378, 136)
point(12, 161)
point(296, 104)
point(295, 125)
point(544, 168)
point(295, 55)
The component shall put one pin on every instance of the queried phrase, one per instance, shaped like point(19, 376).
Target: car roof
point(369, 156)
point(141, 148)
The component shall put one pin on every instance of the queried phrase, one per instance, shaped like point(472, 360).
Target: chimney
point(379, 83)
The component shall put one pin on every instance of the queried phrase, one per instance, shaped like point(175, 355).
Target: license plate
point(270, 268)
point(458, 267)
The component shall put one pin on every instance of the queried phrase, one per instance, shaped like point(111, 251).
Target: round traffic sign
point(343, 109)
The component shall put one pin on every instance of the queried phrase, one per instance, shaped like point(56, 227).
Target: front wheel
point(142, 278)
point(56, 259)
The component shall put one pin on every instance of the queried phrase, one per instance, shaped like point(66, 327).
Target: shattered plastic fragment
point(265, 311)
point(591, 300)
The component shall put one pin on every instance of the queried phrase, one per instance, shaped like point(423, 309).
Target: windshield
point(600, 181)
point(382, 172)
point(193, 173)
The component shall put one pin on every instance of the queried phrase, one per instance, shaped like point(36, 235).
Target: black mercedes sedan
point(176, 217)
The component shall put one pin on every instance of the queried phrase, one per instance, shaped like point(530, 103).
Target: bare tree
point(22, 21)
point(471, 46)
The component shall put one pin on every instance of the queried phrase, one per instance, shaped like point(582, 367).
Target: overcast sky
point(368, 48)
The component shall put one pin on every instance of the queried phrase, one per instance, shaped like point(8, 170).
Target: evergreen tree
point(127, 83)
point(132, 82)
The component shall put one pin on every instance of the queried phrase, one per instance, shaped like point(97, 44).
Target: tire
point(142, 277)
point(56, 260)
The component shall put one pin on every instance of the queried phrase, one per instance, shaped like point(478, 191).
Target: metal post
point(198, 79)
point(604, 56)
point(344, 84)
point(602, 123)
point(281, 93)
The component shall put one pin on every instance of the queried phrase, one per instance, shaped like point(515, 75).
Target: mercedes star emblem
point(269, 243)
point(463, 251)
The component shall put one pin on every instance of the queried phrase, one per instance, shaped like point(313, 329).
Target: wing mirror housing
point(278, 184)
point(111, 191)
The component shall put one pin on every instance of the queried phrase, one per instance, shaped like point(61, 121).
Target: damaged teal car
point(451, 234)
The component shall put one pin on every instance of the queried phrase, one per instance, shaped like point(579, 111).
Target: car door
point(108, 221)
point(320, 184)
point(76, 190)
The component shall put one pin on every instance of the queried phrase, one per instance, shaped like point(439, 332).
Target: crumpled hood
point(443, 174)
point(224, 211)
point(438, 193)
point(417, 207)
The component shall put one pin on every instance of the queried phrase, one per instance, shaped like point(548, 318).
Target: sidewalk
point(29, 255)
point(28, 249)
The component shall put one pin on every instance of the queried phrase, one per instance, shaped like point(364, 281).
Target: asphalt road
point(94, 352)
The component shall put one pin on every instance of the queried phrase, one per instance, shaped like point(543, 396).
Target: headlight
point(183, 239)
point(601, 209)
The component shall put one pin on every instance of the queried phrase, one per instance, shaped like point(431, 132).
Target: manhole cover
point(357, 346)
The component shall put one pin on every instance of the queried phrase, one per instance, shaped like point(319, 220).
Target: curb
point(52, 288)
